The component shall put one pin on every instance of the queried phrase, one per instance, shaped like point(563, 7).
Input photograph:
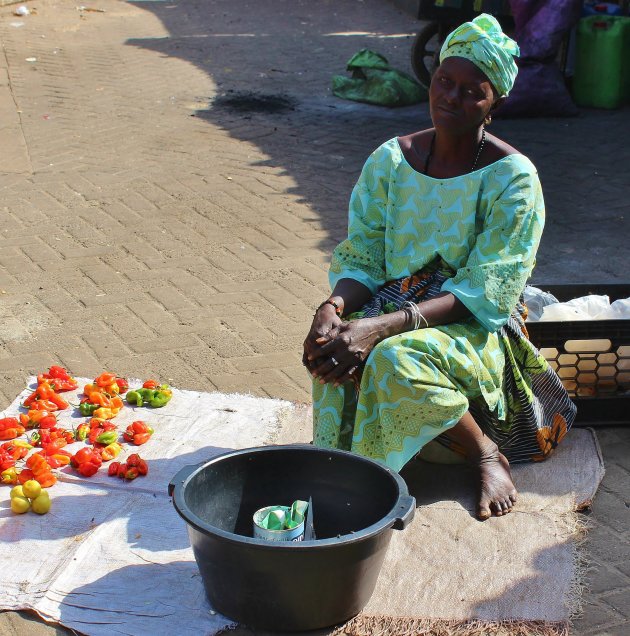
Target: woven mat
point(519, 574)
point(448, 574)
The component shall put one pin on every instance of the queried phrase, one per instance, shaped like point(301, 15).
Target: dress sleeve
point(503, 254)
point(362, 255)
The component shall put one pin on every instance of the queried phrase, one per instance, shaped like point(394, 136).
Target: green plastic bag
point(373, 81)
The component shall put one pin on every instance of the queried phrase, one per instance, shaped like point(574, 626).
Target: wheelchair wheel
point(425, 52)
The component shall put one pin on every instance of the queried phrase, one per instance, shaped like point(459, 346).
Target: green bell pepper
point(86, 409)
point(134, 397)
point(151, 397)
point(108, 437)
point(160, 399)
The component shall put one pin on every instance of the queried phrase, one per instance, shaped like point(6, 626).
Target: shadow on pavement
point(272, 64)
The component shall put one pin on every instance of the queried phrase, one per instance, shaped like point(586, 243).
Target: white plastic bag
point(536, 300)
point(619, 310)
point(584, 308)
point(592, 307)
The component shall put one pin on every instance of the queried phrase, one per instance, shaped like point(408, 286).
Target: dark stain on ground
point(254, 102)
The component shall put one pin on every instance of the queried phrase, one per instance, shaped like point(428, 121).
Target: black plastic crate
point(592, 357)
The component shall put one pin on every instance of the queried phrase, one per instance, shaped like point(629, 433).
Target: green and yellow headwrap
point(483, 43)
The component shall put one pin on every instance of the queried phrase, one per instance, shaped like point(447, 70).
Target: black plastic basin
point(290, 586)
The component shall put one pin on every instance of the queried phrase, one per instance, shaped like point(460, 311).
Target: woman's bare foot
point(497, 494)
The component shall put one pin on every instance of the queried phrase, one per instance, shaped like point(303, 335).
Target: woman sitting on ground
point(422, 336)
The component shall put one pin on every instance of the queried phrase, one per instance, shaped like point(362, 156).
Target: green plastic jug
point(602, 62)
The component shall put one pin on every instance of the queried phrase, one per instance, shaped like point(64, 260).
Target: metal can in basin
point(293, 534)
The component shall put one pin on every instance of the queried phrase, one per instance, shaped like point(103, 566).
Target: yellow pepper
point(110, 451)
point(9, 476)
point(110, 389)
point(21, 443)
point(105, 413)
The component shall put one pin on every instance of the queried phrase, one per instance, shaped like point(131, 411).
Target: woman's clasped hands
point(334, 349)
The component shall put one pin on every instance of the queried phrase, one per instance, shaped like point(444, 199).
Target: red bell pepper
point(59, 379)
point(56, 458)
point(24, 475)
point(107, 383)
point(134, 460)
point(67, 434)
point(17, 449)
point(10, 428)
point(108, 426)
point(138, 433)
point(87, 461)
point(131, 473)
point(42, 405)
point(134, 467)
point(38, 419)
point(54, 437)
point(6, 459)
point(105, 379)
point(40, 469)
point(54, 445)
point(45, 392)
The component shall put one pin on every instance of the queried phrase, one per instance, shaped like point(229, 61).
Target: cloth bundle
point(373, 81)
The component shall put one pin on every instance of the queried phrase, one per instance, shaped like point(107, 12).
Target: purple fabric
point(540, 26)
point(539, 91)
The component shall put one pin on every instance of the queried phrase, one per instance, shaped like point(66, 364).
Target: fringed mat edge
point(400, 626)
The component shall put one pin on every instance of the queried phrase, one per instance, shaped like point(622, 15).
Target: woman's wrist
point(334, 303)
point(416, 319)
point(388, 325)
point(408, 320)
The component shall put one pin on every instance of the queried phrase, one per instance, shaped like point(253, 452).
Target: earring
point(488, 120)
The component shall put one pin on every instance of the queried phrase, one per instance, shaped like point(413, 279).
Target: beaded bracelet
point(330, 301)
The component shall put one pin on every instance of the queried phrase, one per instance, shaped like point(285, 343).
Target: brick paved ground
point(146, 228)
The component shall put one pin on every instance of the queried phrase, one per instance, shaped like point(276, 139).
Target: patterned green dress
point(476, 236)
